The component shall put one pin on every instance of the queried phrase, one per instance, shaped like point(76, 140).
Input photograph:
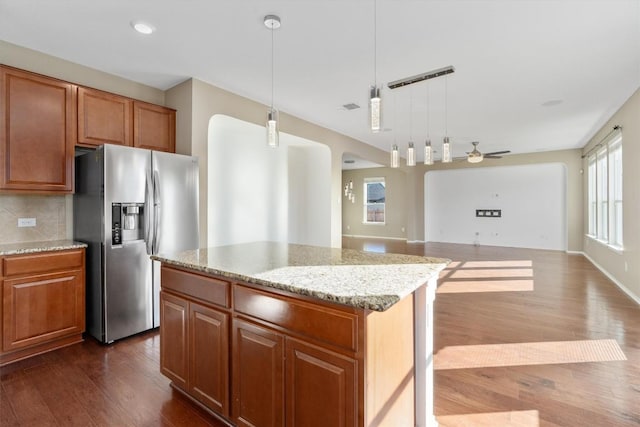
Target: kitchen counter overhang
point(372, 281)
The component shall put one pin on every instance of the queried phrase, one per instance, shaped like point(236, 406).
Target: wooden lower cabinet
point(258, 375)
point(43, 302)
point(194, 350)
point(174, 318)
point(258, 358)
point(209, 354)
point(280, 381)
point(320, 387)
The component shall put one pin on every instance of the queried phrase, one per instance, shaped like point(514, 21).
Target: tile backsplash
point(50, 213)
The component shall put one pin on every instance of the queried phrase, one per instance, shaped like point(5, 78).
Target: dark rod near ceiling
point(421, 77)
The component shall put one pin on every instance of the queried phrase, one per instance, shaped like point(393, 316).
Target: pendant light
point(428, 150)
point(348, 192)
point(395, 156)
point(375, 101)
point(273, 138)
point(446, 145)
point(411, 153)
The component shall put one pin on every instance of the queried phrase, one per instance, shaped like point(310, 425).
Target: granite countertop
point(366, 280)
point(34, 247)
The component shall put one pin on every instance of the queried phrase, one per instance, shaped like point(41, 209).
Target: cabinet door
point(41, 308)
point(174, 322)
point(321, 387)
point(258, 381)
point(209, 350)
point(103, 118)
point(37, 137)
point(154, 127)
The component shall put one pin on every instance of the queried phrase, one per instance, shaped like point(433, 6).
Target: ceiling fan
point(475, 156)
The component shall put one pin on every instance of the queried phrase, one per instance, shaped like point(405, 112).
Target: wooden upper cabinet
point(37, 122)
point(154, 127)
point(103, 118)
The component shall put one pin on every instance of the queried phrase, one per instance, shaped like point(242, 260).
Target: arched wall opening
point(257, 193)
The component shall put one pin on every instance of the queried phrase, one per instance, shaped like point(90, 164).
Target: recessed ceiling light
point(142, 27)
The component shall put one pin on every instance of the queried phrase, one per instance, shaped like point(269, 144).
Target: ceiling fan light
point(475, 158)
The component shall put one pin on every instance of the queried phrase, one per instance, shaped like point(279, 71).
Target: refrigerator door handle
point(156, 211)
point(148, 207)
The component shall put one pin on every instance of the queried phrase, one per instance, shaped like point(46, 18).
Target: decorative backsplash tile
point(49, 212)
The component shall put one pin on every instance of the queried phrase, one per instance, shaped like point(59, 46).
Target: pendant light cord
point(272, 48)
point(446, 106)
point(427, 110)
point(375, 43)
point(411, 115)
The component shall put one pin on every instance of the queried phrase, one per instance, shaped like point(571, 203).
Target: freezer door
point(176, 210)
point(128, 286)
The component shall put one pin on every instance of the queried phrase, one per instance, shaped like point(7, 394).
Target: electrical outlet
point(26, 222)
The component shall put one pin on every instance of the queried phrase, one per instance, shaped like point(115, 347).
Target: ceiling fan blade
point(494, 153)
point(492, 157)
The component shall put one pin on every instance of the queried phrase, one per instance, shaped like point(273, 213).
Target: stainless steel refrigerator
point(131, 203)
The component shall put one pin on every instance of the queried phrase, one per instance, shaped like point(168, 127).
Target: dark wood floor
point(120, 385)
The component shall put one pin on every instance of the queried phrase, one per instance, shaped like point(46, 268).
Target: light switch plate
point(26, 222)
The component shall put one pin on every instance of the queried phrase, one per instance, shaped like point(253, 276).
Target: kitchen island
point(266, 334)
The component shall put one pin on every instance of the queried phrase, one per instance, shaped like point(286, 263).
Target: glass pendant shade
point(375, 109)
point(411, 155)
point(428, 153)
point(395, 157)
point(446, 150)
point(273, 137)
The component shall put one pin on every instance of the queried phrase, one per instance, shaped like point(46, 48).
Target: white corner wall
point(533, 200)
point(257, 193)
point(309, 194)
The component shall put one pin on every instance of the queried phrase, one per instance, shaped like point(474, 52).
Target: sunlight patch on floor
point(490, 273)
point(453, 287)
point(498, 264)
point(491, 419)
point(534, 353)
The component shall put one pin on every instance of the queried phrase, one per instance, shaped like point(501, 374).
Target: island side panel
point(389, 366)
point(423, 312)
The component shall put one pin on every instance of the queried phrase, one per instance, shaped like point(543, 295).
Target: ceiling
point(530, 75)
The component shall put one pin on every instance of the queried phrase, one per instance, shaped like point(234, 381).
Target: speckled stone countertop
point(366, 280)
point(34, 247)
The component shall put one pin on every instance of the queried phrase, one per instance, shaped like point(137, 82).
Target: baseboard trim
point(415, 241)
point(357, 236)
point(622, 287)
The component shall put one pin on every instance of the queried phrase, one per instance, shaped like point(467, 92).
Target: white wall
point(259, 193)
point(309, 194)
point(532, 199)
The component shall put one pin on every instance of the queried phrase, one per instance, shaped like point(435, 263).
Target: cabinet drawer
point(318, 322)
point(207, 289)
point(42, 262)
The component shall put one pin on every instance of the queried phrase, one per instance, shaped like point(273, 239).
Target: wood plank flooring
point(568, 300)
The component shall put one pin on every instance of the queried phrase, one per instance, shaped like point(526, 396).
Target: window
point(374, 200)
point(605, 192)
